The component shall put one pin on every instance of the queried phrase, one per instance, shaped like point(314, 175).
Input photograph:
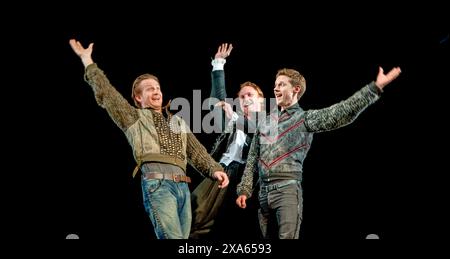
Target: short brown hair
point(254, 86)
point(137, 81)
point(295, 79)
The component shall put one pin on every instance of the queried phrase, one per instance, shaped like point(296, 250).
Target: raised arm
point(345, 112)
point(218, 76)
point(218, 90)
point(218, 94)
point(118, 108)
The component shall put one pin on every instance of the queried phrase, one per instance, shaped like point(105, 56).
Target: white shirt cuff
point(218, 63)
point(234, 117)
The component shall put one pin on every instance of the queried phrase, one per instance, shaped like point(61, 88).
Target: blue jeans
point(168, 205)
point(281, 207)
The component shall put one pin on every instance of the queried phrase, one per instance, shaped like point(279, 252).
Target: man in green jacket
point(162, 145)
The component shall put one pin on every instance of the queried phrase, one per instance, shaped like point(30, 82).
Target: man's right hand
point(84, 54)
point(240, 201)
point(224, 50)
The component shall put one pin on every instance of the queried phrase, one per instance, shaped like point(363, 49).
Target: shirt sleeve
point(199, 158)
point(107, 97)
point(218, 63)
point(245, 187)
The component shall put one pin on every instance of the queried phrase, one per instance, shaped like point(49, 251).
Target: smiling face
point(290, 85)
point(285, 93)
point(147, 93)
point(249, 99)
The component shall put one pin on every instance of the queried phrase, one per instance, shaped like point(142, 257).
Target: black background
point(380, 175)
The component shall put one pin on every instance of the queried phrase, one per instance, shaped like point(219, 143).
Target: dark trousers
point(215, 213)
point(281, 207)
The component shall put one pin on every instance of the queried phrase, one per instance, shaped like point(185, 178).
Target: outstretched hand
point(385, 79)
point(224, 50)
point(84, 54)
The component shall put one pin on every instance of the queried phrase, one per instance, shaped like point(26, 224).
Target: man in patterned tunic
point(282, 142)
point(162, 145)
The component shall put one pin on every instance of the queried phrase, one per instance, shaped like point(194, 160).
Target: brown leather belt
point(168, 176)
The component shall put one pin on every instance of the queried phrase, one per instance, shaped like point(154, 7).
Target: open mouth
point(247, 103)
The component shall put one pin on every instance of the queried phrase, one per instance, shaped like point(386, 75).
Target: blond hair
point(252, 85)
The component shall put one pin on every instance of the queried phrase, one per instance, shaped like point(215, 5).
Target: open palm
point(84, 54)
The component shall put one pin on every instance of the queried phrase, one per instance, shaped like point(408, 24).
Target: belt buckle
point(269, 188)
point(176, 178)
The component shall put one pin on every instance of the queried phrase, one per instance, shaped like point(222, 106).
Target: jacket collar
point(291, 109)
